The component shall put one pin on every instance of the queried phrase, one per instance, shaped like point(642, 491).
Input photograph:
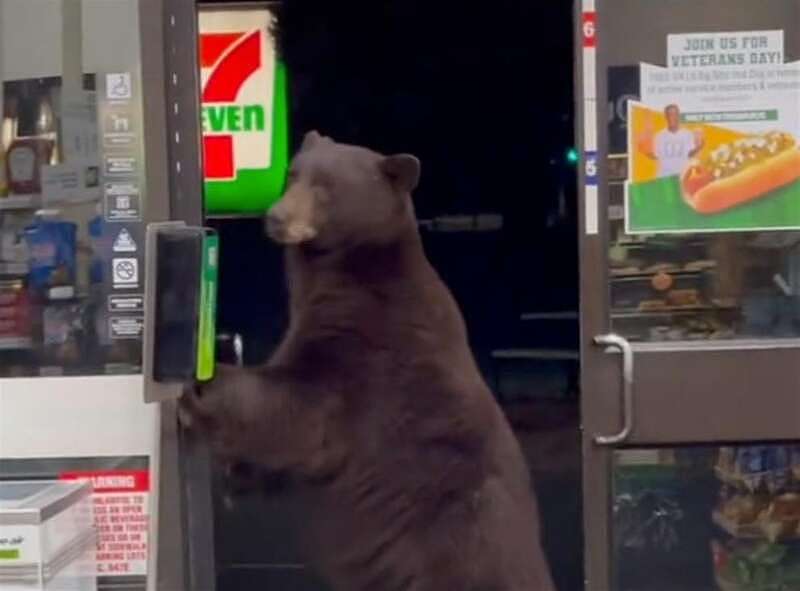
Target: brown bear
point(373, 404)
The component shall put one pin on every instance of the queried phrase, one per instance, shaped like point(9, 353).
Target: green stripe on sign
point(9, 554)
point(731, 116)
point(658, 206)
point(207, 331)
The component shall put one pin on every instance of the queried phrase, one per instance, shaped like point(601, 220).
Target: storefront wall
point(690, 483)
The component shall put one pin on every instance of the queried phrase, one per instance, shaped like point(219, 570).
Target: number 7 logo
point(233, 58)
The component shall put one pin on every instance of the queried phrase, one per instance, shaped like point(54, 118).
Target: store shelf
point(14, 269)
point(23, 202)
point(688, 311)
point(648, 275)
point(15, 343)
point(34, 202)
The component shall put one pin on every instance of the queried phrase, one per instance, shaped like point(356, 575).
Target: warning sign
point(122, 515)
point(124, 242)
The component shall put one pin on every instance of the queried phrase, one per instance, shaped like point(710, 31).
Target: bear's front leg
point(261, 415)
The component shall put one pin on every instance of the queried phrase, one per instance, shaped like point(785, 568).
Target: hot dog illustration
point(741, 172)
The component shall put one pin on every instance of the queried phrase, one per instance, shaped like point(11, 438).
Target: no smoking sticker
point(125, 272)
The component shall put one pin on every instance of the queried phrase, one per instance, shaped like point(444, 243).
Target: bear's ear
point(402, 170)
point(310, 140)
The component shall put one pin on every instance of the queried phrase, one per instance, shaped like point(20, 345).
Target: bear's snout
point(289, 232)
point(290, 221)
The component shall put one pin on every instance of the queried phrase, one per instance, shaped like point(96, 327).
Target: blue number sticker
point(590, 168)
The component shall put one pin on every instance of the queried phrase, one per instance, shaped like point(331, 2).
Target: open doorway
point(483, 95)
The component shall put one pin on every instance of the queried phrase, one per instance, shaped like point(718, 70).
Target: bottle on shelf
point(3, 184)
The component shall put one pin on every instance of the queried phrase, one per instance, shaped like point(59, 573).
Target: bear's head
point(341, 196)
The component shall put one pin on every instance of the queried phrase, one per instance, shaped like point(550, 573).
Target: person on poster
point(673, 147)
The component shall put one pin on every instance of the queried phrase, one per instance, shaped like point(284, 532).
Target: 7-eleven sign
point(237, 68)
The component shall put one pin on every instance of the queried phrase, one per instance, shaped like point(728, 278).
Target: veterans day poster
point(713, 142)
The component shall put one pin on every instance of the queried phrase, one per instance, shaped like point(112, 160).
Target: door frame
point(673, 411)
point(183, 552)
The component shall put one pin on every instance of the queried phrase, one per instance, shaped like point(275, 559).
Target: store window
point(72, 188)
point(704, 188)
point(705, 518)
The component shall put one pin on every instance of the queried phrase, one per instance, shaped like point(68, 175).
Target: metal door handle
point(236, 344)
point(238, 349)
point(617, 342)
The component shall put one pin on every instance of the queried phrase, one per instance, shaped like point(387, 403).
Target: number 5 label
point(590, 168)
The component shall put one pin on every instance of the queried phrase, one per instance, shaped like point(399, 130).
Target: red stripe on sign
point(231, 73)
point(213, 45)
point(218, 156)
point(589, 29)
point(113, 481)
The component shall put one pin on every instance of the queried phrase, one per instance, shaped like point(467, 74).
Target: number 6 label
point(589, 29)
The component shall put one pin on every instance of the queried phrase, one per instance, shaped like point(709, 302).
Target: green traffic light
point(572, 156)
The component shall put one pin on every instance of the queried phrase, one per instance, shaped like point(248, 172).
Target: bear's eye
point(324, 180)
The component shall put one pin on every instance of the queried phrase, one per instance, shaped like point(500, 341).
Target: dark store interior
point(483, 95)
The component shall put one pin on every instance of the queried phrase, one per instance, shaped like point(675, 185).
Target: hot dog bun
point(748, 185)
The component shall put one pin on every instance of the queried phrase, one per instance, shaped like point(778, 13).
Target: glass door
point(93, 105)
point(690, 278)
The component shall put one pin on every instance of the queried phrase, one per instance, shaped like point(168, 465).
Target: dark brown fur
point(411, 475)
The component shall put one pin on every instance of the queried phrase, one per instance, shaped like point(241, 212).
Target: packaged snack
point(744, 509)
point(52, 247)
